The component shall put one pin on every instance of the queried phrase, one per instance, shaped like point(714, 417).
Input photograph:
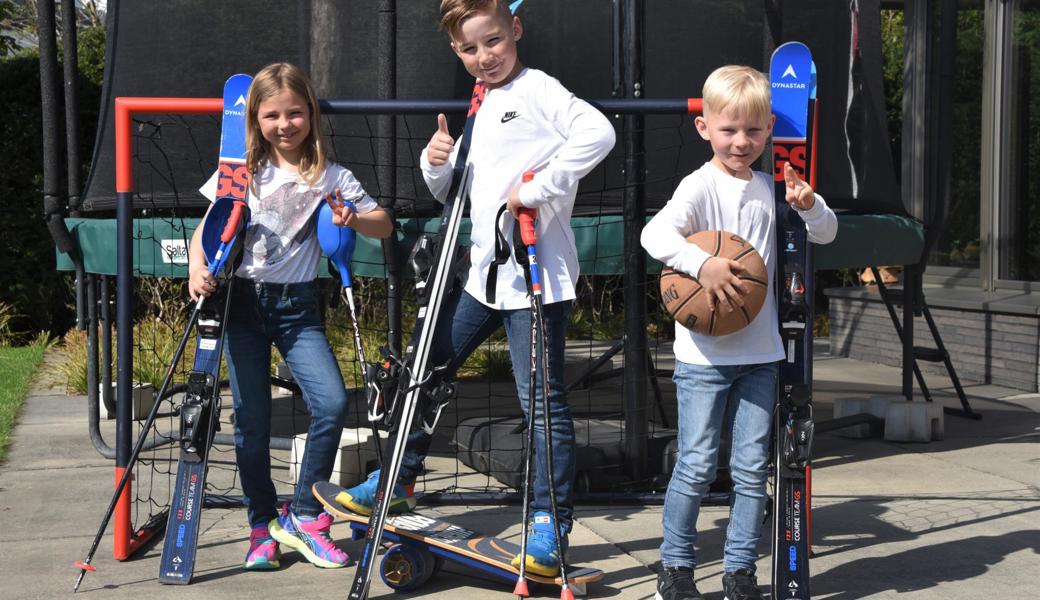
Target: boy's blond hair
point(455, 12)
point(739, 89)
point(268, 82)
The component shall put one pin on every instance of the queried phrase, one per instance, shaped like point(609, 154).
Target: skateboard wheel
point(405, 568)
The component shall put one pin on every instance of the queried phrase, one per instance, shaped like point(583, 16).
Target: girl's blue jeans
point(738, 399)
point(465, 323)
point(287, 315)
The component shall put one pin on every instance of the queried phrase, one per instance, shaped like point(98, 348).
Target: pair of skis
point(416, 375)
point(793, 81)
point(199, 412)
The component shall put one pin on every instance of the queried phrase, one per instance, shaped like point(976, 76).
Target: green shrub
point(40, 296)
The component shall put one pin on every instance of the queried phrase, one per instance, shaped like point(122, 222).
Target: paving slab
point(958, 518)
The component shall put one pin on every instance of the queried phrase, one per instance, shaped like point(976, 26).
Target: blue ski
point(200, 410)
point(792, 79)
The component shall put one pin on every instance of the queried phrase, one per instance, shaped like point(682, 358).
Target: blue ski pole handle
point(337, 242)
point(227, 237)
point(226, 218)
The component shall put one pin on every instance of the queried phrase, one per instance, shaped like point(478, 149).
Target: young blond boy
point(727, 381)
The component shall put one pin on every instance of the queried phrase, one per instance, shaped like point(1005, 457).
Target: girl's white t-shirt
point(281, 243)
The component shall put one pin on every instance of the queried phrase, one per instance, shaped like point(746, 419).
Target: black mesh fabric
point(854, 158)
point(187, 48)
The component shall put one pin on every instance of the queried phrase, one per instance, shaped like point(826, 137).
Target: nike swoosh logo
point(509, 117)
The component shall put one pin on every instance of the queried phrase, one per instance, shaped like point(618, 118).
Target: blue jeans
point(287, 315)
point(741, 399)
point(464, 324)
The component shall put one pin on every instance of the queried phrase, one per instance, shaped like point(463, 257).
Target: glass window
point(1019, 239)
point(958, 245)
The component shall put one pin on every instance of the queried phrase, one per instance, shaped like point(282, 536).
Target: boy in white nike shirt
point(527, 122)
point(726, 381)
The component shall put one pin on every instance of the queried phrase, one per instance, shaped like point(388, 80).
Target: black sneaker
point(676, 584)
point(741, 585)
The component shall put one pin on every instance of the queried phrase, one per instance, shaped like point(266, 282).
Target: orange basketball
point(682, 294)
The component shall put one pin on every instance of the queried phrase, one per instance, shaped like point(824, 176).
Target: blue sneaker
point(310, 537)
point(361, 497)
point(543, 556)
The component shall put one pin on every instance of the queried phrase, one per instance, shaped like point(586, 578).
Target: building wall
point(987, 347)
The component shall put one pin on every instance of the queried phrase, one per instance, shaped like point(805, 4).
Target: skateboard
point(421, 544)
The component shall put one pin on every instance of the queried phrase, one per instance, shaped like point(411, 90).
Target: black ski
point(434, 261)
point(792, 79)
point(200, 410)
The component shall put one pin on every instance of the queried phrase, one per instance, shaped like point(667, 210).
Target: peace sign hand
point(799, 194)
point(344, 213)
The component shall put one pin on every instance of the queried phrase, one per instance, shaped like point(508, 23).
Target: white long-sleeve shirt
point(709, 199)
point(531, 123)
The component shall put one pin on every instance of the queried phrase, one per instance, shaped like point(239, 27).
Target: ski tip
point(239, 80)
point(812, 81)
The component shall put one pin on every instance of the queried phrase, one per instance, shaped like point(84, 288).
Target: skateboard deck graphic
point(443, 540)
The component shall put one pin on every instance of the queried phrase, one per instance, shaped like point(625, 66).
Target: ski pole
point(528, 233)
point(520, 590)
point(227, 238)
point(338, 243)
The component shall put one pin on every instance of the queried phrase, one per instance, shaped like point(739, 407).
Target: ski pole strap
point(523, 237)
point(502, 253)
point(522, 258)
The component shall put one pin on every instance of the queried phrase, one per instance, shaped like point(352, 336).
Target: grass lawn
point(17, 366)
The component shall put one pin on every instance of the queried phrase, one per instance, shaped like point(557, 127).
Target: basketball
point(682, 294)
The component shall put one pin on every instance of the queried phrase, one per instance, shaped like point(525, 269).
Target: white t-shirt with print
point(281, 243)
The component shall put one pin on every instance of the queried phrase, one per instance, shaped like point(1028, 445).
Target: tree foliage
point(7, 41)
point(40, 297)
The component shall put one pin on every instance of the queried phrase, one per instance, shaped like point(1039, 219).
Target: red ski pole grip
point(232, 222)
point(526, 217)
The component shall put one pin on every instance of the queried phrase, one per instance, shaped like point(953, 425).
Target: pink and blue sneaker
point(310, 537)
point(263, 552)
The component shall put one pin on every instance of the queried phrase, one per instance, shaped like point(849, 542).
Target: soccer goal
point(165, 149)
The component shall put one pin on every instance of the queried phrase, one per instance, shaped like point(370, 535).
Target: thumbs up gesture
point(441, 144)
